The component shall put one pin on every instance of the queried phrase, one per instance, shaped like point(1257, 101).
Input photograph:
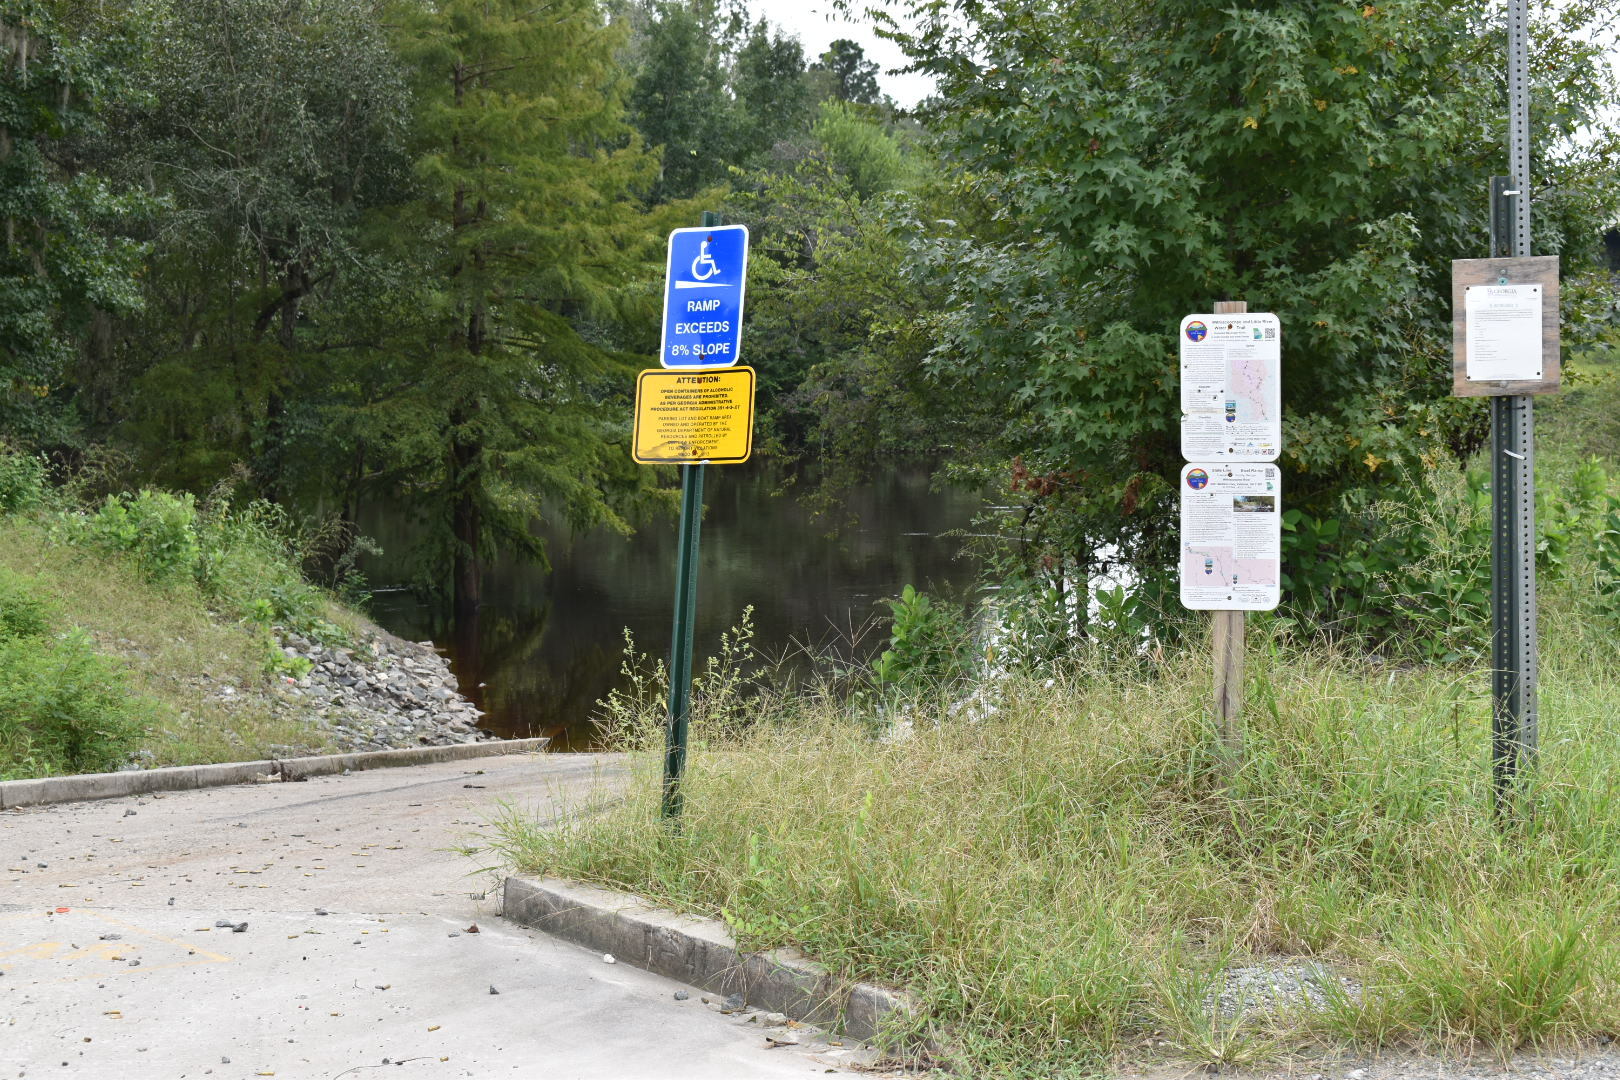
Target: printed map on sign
point(1231, 387)
point(1231, 536)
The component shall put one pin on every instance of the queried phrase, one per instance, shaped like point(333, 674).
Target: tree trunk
point(466, 483)
point(272, 459)
point(465, 524)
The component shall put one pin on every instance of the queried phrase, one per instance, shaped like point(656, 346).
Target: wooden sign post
point(1230, 490)
point(1229, 628)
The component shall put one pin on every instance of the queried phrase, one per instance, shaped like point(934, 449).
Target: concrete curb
point(56, 789)
point(701, 953)
point(302, 768)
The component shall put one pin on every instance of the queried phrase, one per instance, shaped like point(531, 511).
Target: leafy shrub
point(156, 528)
point(927, 643)
point(1035, 622)
point(1606, 559)
point(248, 563)
point(63, 709)
point(22, 481)
point(22, 612)
point(245, 561)
point(1414, 574)
point(1568, 515)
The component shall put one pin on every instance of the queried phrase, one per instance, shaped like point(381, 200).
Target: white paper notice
point(1504, 332)
point(1231, 387)
point(1231, 536)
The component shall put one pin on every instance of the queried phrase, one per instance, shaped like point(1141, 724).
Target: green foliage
point(22, 480)
point(1607, 559)
point(1135, 163)
point(1068, 884)
point(1566, 513)
point(859, 148)
point(158, 530)
point(272, 127)
point(772, 95)
point(754, 911)
point(246, 562)
point(163, 635)
point(1410, 574)
point(712, 94)
point(23, 613)
point(929, 645)
point(249, 563)
point(853, 77)
point(679, 101)
point(63, 709)
point(66, 253)
point(501, 398)
point(836, 329)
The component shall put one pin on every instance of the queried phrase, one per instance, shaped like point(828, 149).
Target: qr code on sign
point(1271, 333)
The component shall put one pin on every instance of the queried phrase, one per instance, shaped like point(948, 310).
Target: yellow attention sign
point(684, 417)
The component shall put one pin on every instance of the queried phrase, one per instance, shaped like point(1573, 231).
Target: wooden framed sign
point(1504, 326)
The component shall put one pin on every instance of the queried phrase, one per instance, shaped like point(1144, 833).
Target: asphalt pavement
point(331, 928)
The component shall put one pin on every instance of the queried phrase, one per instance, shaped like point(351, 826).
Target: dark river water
point(547, 646)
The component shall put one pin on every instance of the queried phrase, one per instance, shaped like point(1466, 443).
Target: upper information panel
point(1231, 387)
point(703, 297)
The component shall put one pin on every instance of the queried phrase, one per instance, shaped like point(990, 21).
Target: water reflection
point(545, 647)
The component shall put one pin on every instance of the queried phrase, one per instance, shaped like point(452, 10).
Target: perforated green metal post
point(1514, 660)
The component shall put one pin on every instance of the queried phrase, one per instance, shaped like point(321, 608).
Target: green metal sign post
point(1513, 501)
point(1505, 333)
point(680, 650)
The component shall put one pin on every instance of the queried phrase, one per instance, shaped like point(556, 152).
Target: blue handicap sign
point(703, 297)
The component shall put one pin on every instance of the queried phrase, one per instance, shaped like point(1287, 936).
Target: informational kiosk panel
point(694, 417)
point(703, 297)
point(1231, 536)
point(1503, 332)
point(1231, 387)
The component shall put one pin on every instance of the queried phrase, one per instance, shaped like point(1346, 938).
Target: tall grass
point(1066, 879)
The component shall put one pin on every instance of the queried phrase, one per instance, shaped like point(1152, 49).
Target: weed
point(156, 529)
point(165, 638)
point(634, 717)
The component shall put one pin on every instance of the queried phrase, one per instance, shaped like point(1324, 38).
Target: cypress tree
point(526, 227)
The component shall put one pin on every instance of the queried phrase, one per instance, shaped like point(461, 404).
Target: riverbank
point(386, 693)
point(146, 631)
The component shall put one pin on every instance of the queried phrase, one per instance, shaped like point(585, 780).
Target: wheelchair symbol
point(704, 267)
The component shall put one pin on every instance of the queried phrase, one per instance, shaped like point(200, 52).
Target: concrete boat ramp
point(332, 928)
